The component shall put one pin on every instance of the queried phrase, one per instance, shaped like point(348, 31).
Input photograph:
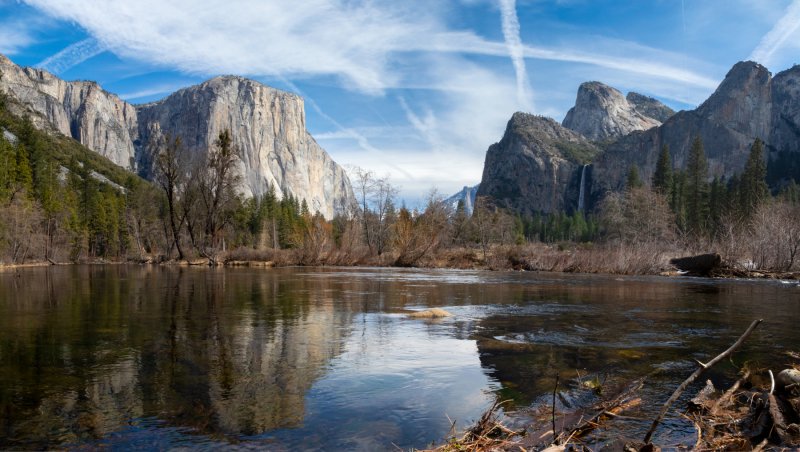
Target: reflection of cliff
point(217, 352)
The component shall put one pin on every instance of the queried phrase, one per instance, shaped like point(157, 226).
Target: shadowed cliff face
point(268, 127)
point(527, 171)
point(748, 104)
point(536, 167)
point(602, 113)
point(99, 120)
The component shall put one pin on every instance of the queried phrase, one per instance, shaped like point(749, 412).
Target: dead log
point(697, 373)
point(700, 265)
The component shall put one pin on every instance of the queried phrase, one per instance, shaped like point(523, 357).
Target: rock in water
point(700, 265)
point(267, 125)
point(788, 377)
point(433, 313)
point(602, 113)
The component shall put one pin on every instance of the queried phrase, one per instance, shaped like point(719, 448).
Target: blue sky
point(416, 90)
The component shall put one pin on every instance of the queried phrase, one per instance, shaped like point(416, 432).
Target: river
point(326, 359)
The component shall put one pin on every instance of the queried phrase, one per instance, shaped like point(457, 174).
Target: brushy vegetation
point(61, 202)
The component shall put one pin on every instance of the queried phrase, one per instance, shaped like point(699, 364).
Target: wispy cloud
point(14, 36)
point(510, 24)
point(773, 42)
point(453, 103)
point(71, 56)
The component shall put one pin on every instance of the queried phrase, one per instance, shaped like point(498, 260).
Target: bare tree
point(217, 191)
point(170, 171)
point(775, 236)
point(638, 215)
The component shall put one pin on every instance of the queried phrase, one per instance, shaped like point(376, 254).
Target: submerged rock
point(433, 313)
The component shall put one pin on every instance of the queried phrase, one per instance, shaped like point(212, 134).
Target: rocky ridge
point(467, 195)
point(528, 170)
point(536, 166)
point(268, 126)
point(602, 113)
point(749, 103)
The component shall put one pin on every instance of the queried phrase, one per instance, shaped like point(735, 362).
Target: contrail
point(510, 23)
point(71, 56)
point(774, 40)
point(360, 139)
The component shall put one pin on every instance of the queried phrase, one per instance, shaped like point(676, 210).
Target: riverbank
point(572, 258)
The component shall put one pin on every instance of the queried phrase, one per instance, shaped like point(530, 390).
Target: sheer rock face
point(602, 113)
point(268, 127)
point(98, 119)
point(528, 173)
point(536, 167)
point(467, 196)
point(748, 104)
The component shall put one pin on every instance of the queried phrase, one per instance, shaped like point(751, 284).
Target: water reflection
point(320, 358)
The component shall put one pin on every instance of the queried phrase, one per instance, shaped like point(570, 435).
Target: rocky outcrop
point(536, 167)
point(528, 172)
point(467, 196)
point(269, 131)
point(748, 104)
point(99, 120)
point(268, 127)
point(647, 106)
point(602, 113)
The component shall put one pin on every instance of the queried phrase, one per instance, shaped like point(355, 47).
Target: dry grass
point(488, 434)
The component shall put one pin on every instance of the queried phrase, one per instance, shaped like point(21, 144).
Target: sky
point(412, 90)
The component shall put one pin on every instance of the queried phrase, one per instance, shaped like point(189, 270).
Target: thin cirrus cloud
point(370, 48)
point(785, 31)
point(14, 36)
point(355, 41)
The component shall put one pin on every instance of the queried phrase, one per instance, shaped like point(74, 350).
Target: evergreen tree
point(662, 177)
point(753, 189)
point(633, 180)
point(697, 189)
point(716, 205)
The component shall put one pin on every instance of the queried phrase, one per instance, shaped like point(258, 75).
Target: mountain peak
point(602, 113)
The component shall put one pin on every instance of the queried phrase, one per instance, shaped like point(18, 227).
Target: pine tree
point(753, 190)
point(633, 180)
point(697, 189)
point(662, 177)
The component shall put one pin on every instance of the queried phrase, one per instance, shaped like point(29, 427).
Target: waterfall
point(582, 188)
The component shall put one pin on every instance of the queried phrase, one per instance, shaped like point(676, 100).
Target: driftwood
point(693, 377)
point(700, 265)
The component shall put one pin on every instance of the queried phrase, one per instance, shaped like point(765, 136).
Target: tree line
point(62, 202)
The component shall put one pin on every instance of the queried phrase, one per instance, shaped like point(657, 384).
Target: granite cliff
point(602, 113)
point(529, 170)
point(268, 126)
point(749, 103)
point(537, 166)
point(467, 196)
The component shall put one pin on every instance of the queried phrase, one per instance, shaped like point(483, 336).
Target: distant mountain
point(267, 125)
point(467, 195)
point(534, 167)
point(602, 113)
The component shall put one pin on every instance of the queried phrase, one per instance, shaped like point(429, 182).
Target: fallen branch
point(694, 376)
point(730, 392)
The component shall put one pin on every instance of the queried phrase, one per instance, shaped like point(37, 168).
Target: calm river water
point(306, 358)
